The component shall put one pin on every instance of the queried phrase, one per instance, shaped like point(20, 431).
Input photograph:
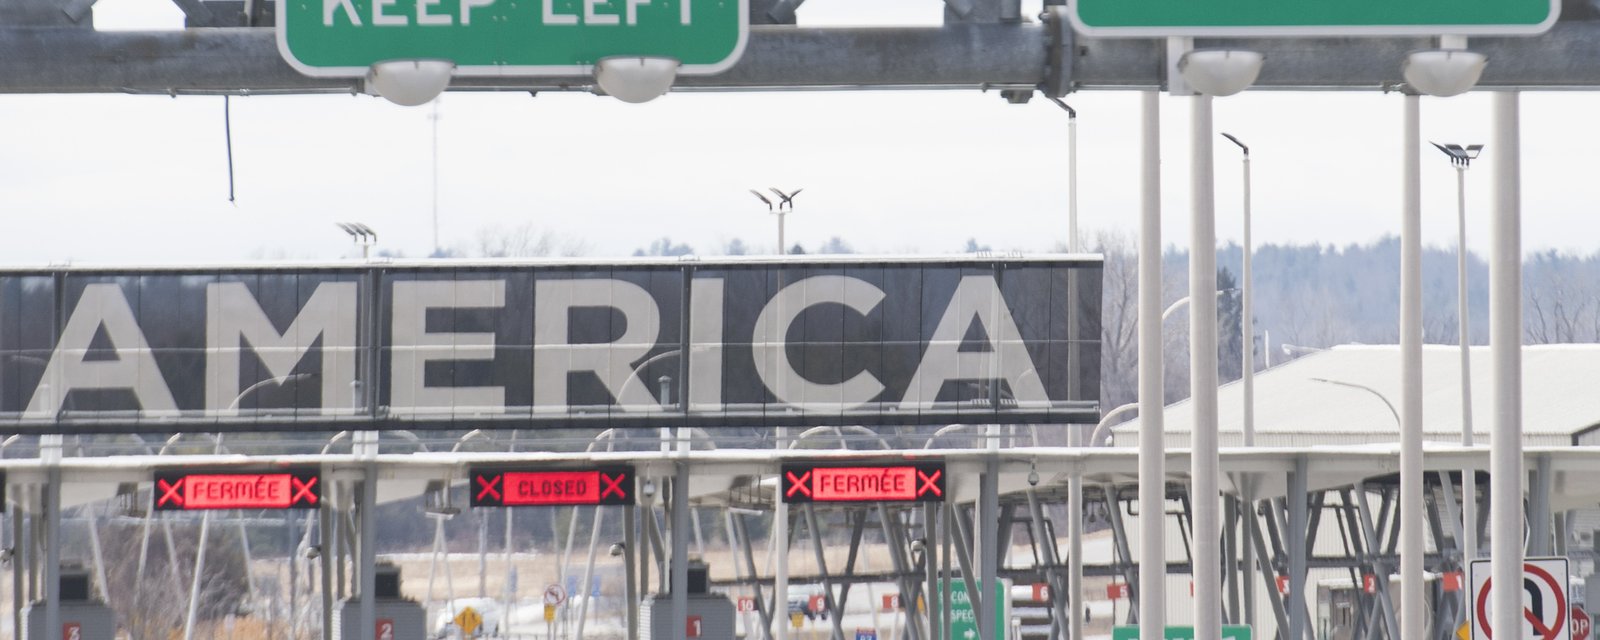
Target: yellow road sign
point(1464, 631)
point(468, 620)
point(549, 613)
point(797, 619)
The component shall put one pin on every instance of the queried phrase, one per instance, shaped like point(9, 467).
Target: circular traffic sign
point(554, 595)
point(1547, 621)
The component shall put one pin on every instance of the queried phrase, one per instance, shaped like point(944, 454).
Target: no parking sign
point(1546, 611)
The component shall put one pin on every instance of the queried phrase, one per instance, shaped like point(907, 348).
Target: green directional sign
point(964, 619)
point(1332, 18)
point(1229, 632)
point(343, 38)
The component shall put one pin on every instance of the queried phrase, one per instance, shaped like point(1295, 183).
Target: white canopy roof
point(1302, 403)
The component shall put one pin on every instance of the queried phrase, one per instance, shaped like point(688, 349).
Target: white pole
point(1248, 322)
point(1469, 486)
point(1204, 462)
point(780, 538)
point(781, 249)
point(1412, 509)
point(1072, 187)
point(1152, 453)
point(1505, 341)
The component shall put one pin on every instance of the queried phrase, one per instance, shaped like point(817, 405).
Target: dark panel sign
point(610, 485)
point(507, 345)
point(201, 491)
point(915, 482)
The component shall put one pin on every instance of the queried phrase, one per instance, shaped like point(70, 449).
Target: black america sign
point(528, 344)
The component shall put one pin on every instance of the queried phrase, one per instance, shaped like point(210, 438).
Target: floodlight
point(635, 79)
point(1220, 72)
point(409, 83)
point(1443, 72)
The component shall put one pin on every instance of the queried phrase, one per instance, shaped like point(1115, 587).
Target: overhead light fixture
point(1443, 72)
point(410, 83)
point(1220, 72)
point(635, 79)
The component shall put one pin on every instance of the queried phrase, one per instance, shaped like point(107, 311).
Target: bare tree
point(525, 241)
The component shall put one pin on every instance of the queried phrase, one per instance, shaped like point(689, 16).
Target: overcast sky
point(141, 179)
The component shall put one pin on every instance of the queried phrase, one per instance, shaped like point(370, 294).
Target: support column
point(327, 538)
point(1540, 518)
point(1505, 343)
point(780, 524)
point(680, 546)
point(1412, 524)
point(1295, 547)
point(630, 541)
point(367, 571)
point(930, 552)
point(1203, 378)
point(1152, 452)
point(52, 541)
point(988, 550)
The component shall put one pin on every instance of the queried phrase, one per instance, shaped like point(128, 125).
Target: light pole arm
point(1367, 389)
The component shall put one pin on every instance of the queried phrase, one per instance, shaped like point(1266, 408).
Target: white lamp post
point(1211, 72)
point(1445, 72)
point(1461, 158)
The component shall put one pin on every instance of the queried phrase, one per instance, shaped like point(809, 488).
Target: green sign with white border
point(1258, 18)
point(1229, 632)
point(343, 38)
point(964, 619)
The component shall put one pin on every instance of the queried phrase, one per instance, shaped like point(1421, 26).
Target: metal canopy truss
point(1323, 520)
point(42, 50)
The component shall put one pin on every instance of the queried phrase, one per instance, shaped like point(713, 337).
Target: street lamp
point(1461, 158)
point(1211, 72)
point(362, 235)
point(1072, 174)
point(784, 206)
point(1245, 320)
point(1447, 71)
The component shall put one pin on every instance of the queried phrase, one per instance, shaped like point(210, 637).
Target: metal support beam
point(931, 513)
point(835, 612)
point(630, 543)
point(680, 546)
point(988, 547)
point(968, 54)
point(765, 612)
point(1268, 573)
point(1297, 550)
point(1540, 518)
point(1386, 604)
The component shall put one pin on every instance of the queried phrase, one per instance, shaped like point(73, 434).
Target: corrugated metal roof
point(1294, 408)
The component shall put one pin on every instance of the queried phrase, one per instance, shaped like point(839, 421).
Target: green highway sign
point(1163, 18)
point(964, 619)
point(343, 38)
point(1229, 632)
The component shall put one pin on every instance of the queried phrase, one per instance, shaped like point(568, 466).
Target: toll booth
point(710, 615)
point(396, 618)
point(82, 617)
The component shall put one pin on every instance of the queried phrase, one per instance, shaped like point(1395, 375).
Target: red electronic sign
point(916, 482)
point(611, 485)
point(295, 489)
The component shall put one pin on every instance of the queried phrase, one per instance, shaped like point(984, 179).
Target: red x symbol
point(798, 484)
point(610, 485)
point(172, 493)
point(302, 490)
point(489, 486)
point(928, 483)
